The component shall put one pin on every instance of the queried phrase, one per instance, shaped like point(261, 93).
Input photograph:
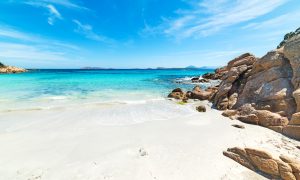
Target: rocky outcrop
point(292, 52)
point(233, 81)
point(269, 85)
point(10, 69)
point(261, 161)
point(263, 91)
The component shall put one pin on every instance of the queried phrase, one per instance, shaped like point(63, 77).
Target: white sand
point(103, 142)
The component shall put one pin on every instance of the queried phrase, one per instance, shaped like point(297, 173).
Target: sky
point(140, 33)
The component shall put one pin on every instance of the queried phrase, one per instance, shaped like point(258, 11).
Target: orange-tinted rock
point(276, 128)
point(259, 153)
point(11, 69)
point(292, 131)
point(267, 118)
point(295, 119)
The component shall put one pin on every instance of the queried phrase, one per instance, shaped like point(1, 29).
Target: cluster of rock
point(261, 161)
point(263, 91)
point(10, 69)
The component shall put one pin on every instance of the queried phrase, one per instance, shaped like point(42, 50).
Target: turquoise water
point(45, 88)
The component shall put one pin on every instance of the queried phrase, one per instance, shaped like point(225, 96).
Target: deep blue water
point(62, 86)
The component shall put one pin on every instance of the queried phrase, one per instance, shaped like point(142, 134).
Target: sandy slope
point(91, 142)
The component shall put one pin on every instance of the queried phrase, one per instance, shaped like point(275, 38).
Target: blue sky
point(140, 33)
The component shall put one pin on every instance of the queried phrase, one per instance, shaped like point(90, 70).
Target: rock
point(287, 159)
point(278, 129)
point(269, 85)
point(200, 94)
point(238, 126)
point(262, 161)
point(295, 119)
point(285, 171)
point(297, 175)
point(295, 167)
point(229, 113)
point(296, 95)
point(267, 118)
point(292, 51)
point(143, 152)
point(177, 94)
point(177, 90)
point(203, 81)
point(259, 153)
point(239, 155)
point(250, 119)
point(201, 108)
point(195, 79)
point(208, 76)
point(268, 166)
point(11, 69)
point(298, 147)
point(233, 81)
point(292, 131)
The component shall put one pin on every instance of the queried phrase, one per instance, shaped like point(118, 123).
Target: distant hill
point(202, 67)
point(93, 68)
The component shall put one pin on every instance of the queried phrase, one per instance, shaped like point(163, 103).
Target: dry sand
point(158, 141)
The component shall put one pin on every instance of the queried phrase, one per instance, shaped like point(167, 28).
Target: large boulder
point(292, 131)
point(292, 51)
point(269, 85)
point(261, 161)
point(201, 94)
point(233, 81)
point(177, 94)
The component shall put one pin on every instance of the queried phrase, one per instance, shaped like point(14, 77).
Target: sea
point(51, 88)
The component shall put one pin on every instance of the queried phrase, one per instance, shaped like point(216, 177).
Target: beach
point(151, 140)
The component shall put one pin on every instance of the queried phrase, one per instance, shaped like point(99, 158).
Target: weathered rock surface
point(269, 85)
point(232, 81)
point(261, 161)
point(201, 108)
point(292, 52)
point(11, 69)
point(177, 94)
point(263, 91)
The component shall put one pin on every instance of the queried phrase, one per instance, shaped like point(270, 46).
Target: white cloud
point(88, 32)
point(23, 51)
point(53, 14)
point(64, 3)
point(21, 46)
point(67, 4)
point(208, 17)
point(282, 21)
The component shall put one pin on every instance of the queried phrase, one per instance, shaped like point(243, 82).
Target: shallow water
point(42, 89)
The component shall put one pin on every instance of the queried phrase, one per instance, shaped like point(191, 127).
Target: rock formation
point(10, 69)
point(261, 161)
point(263, 91)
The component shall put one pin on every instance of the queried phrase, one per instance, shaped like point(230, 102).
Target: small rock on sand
point(201, 108)
point(143, 152)
point(238, 126)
